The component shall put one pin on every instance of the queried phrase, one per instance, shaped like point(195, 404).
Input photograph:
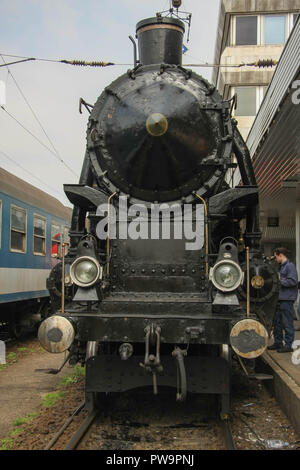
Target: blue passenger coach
point(33, 226)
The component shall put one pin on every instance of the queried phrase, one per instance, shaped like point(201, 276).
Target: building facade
point(274, 146)
point(250, 32)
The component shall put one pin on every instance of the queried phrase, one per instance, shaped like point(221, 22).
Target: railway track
point(179, 430)
point(141, 421)
point(228, 435)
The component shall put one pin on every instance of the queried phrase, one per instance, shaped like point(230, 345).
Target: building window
point(246, 30)
point(269, 29)
point(18, 229)
point(275, 29)
point(39, 235)
point(264, 90)
point(246, 101)
point(249, 99)
point(55, 240)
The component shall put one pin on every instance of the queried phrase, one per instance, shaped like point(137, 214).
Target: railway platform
point(286, 379)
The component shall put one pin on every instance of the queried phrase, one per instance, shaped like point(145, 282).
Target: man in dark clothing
point(284, 316)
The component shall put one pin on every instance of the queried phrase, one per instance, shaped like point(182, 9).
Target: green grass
point(27, 419)
point(11, 442)
point(78, 371)
point(24, 349)
point(16, 432)
point(51, 399)
point(11, 357)
point(6, 444)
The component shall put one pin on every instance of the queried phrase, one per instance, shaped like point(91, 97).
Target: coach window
point(66, 239)
point(39, 235)
point(55, 240)
point(0, 222)
point(18, 229)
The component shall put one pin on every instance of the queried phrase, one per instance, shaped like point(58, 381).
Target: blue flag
point(184, 49)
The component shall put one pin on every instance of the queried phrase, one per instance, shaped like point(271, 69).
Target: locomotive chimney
point(160, 40)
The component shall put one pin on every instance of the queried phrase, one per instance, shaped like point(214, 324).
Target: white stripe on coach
point(22, 280)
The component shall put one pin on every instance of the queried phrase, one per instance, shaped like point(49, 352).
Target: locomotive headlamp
point(85, 271)
point(157, 124)
point(226, 275)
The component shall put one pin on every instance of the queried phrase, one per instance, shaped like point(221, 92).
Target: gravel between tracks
point(135, 421)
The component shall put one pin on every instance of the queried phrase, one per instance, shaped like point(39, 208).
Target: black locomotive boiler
point(147, 311)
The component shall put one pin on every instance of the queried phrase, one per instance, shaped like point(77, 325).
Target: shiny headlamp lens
point(85, 271)
point(226, 276)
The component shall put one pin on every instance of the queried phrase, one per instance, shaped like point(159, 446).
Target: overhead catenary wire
point(15, 62)
point(38, 121)
point(38, 140)
point(29, 173)
point(262, 63)
point(31, 109)
point(63, 61)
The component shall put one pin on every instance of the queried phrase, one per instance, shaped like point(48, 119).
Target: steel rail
point(64, 427)
point(76, 438)
point(228, 435)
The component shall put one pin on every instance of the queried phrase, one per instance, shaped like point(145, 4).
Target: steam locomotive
point(164, 279)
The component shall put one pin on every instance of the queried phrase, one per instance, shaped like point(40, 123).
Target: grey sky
point(72, 29)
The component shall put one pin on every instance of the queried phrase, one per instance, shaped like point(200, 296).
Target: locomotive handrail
point(63, 280)
point(206, 231)
point(248, 280)
point(134, 50)
point(108, 228)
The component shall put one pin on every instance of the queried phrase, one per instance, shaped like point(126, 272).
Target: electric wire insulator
point(266, 63)
point(83, 63)
point(262, 63)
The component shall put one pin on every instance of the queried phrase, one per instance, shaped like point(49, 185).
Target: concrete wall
point(232, 77)
point(260, 6)
point(228, 76)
